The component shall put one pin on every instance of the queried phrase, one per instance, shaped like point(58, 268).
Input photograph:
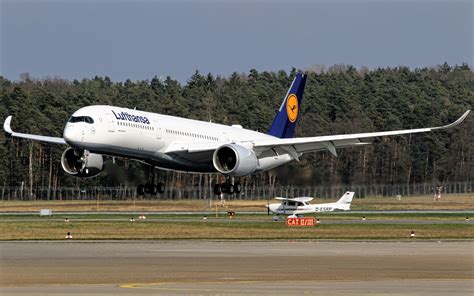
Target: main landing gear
point(150, 187)
point(229, 187)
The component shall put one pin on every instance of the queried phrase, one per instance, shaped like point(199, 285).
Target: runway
point(236, 267)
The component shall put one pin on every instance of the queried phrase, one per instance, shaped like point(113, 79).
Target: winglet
point(6, 125)
point(460, 119)
point(9, 133)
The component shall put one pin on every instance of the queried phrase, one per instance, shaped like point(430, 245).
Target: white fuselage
point(290, 208)
point(161, 140)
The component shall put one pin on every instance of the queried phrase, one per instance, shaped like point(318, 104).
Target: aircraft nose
point(70, 134)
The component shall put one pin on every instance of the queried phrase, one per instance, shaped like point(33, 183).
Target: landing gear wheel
point(141, 189)
point(237, 187)
point(161, 187)
point(154, 189)
point(230, 188)
point(217, 189)
point(227, 187)
point(148, 188)
point(224, 187)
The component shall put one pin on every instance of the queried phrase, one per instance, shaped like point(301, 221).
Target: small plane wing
point(7, 128)
point(294, 146)
point(297, 199)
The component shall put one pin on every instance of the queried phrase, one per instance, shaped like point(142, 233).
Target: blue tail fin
point(284, 124)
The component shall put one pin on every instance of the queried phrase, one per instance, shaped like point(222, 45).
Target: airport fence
point(248, 192)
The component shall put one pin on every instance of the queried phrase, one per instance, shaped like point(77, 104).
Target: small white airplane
point(181, 144)
point(300, 205)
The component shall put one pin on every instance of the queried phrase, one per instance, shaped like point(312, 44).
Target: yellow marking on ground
point(141, 285)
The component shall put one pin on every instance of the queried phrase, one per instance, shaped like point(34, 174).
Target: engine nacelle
point(234, 160)
point(81, 163)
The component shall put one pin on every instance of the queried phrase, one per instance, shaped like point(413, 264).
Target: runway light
point(204, 218)
point(66, 220)
point(467, 219)
point(142, 217)
point(132, 219)
point(412, 235)
point(68, 235)
point(363, 218)
point(317, 222)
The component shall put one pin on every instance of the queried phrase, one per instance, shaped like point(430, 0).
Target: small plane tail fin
point(284, 124)
point(346, 198)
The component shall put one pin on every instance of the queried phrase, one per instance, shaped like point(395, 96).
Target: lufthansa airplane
point(180, 144)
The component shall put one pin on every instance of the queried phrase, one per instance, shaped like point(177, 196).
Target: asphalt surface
point(236, 267)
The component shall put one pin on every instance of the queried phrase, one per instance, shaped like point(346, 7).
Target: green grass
point(263, 216)
point(47, 229)
point(447, 202)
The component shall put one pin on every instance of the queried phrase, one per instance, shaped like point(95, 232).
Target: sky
point(141, 39)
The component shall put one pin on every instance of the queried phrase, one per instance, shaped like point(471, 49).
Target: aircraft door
point(290, 205)
point(83, 131)
point(225, 138)
point(112, 125)
point(159, 133)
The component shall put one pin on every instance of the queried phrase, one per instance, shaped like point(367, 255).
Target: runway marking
point(161, 286)
point(142, 285)
point(223, 282)
point(219, 286)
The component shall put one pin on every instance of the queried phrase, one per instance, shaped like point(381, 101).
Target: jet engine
point(235, 160)
point(81, 163)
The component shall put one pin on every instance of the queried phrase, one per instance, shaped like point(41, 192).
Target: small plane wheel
point(217, 189)
point(161, 187)
point(237, 187)
point(141, 189)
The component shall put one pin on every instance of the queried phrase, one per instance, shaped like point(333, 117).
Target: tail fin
point(344, 203)
point(284, 124)
point(346, 198)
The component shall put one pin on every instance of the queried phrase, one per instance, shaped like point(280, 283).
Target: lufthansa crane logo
point(292, 107)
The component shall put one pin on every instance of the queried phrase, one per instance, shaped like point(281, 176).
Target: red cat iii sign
point(300, 221)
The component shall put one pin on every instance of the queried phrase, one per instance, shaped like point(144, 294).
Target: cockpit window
point(86, 119)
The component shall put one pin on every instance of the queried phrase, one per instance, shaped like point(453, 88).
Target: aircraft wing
point(7, 128)
point(297, 199)
point(294, 146)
